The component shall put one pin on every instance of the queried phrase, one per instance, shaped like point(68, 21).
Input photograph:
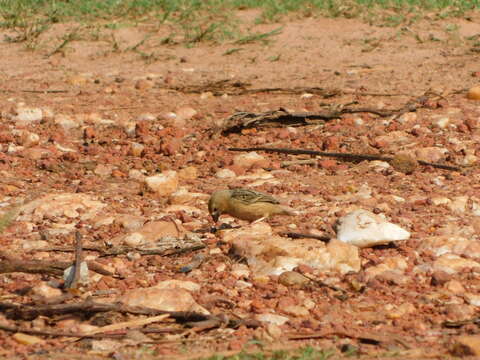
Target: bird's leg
point(259, 220)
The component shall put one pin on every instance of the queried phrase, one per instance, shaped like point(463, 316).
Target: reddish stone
point(142, 128)
point(283, 134)
point(328, 164)
point(463, 128)
point(334, 127)
point(257, 305)
point(6, 137)
point(171, 147)
point(118, 174)
point(431, 104)
point(331, 143)
point(304, 269)
point(443, 103)
point(348, 120)
point(472, 124)
point(70, 156)
point(285, 301)
point(236, 344)
point(392, 127)
point(89, 133)
point(238, 170)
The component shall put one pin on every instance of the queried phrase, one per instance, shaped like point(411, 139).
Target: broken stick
point(30, 312)
point(342, 156)
point(78, 261)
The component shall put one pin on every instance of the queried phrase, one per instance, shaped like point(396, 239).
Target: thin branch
point(30, 312)
point(162, 252)
point(33, 266)
point(128, 324)
point(343, 156)
point(78, 261)
point(363, 336)
point(53, 333)
point(35, 91)
point(235, 88)
point(294, 235)
point(122, 250)
point(50, 267)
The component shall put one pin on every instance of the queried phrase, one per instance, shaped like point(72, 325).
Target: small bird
point(245, 204)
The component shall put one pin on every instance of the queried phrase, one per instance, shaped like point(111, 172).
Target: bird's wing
point(251, 196)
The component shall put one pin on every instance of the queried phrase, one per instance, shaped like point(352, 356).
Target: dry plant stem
point(229, 87)
point(35, 91)
point(10, 265)
point(343, 156)
point(33, 267)
point(362, 336)
point(122, 250)
point(78, 260)
point(294, 235)
point(245, 120)
point(460, 323)
point(53, 333)
point(361, 93)
point(162, 252)
point(128, 324)
point(30, 312)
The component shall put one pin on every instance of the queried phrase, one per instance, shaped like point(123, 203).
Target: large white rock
point(269, 254)
point(363, 228)
point(28, 115)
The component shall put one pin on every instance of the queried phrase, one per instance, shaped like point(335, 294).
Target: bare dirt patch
point(93, 118)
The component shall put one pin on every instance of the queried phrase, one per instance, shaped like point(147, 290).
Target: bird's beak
point(215, 216)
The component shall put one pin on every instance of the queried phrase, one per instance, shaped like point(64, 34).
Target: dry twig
point(54, 333)
point(229, 87)
point(281, 117)
point(30, 312)
point(294, 235)
point(128, 324)
point(122, 250)
point(10, 265)
point(362, 336)
point(342, 156)
point(78, 261)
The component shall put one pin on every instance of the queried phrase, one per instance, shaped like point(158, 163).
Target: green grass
point(307, 353)
point(208, 20)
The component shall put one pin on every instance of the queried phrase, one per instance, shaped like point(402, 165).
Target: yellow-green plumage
point(245, 204)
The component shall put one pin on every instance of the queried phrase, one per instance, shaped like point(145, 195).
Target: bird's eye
point(214, 209)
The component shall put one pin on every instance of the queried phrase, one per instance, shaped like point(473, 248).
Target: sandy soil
point(113, 96)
